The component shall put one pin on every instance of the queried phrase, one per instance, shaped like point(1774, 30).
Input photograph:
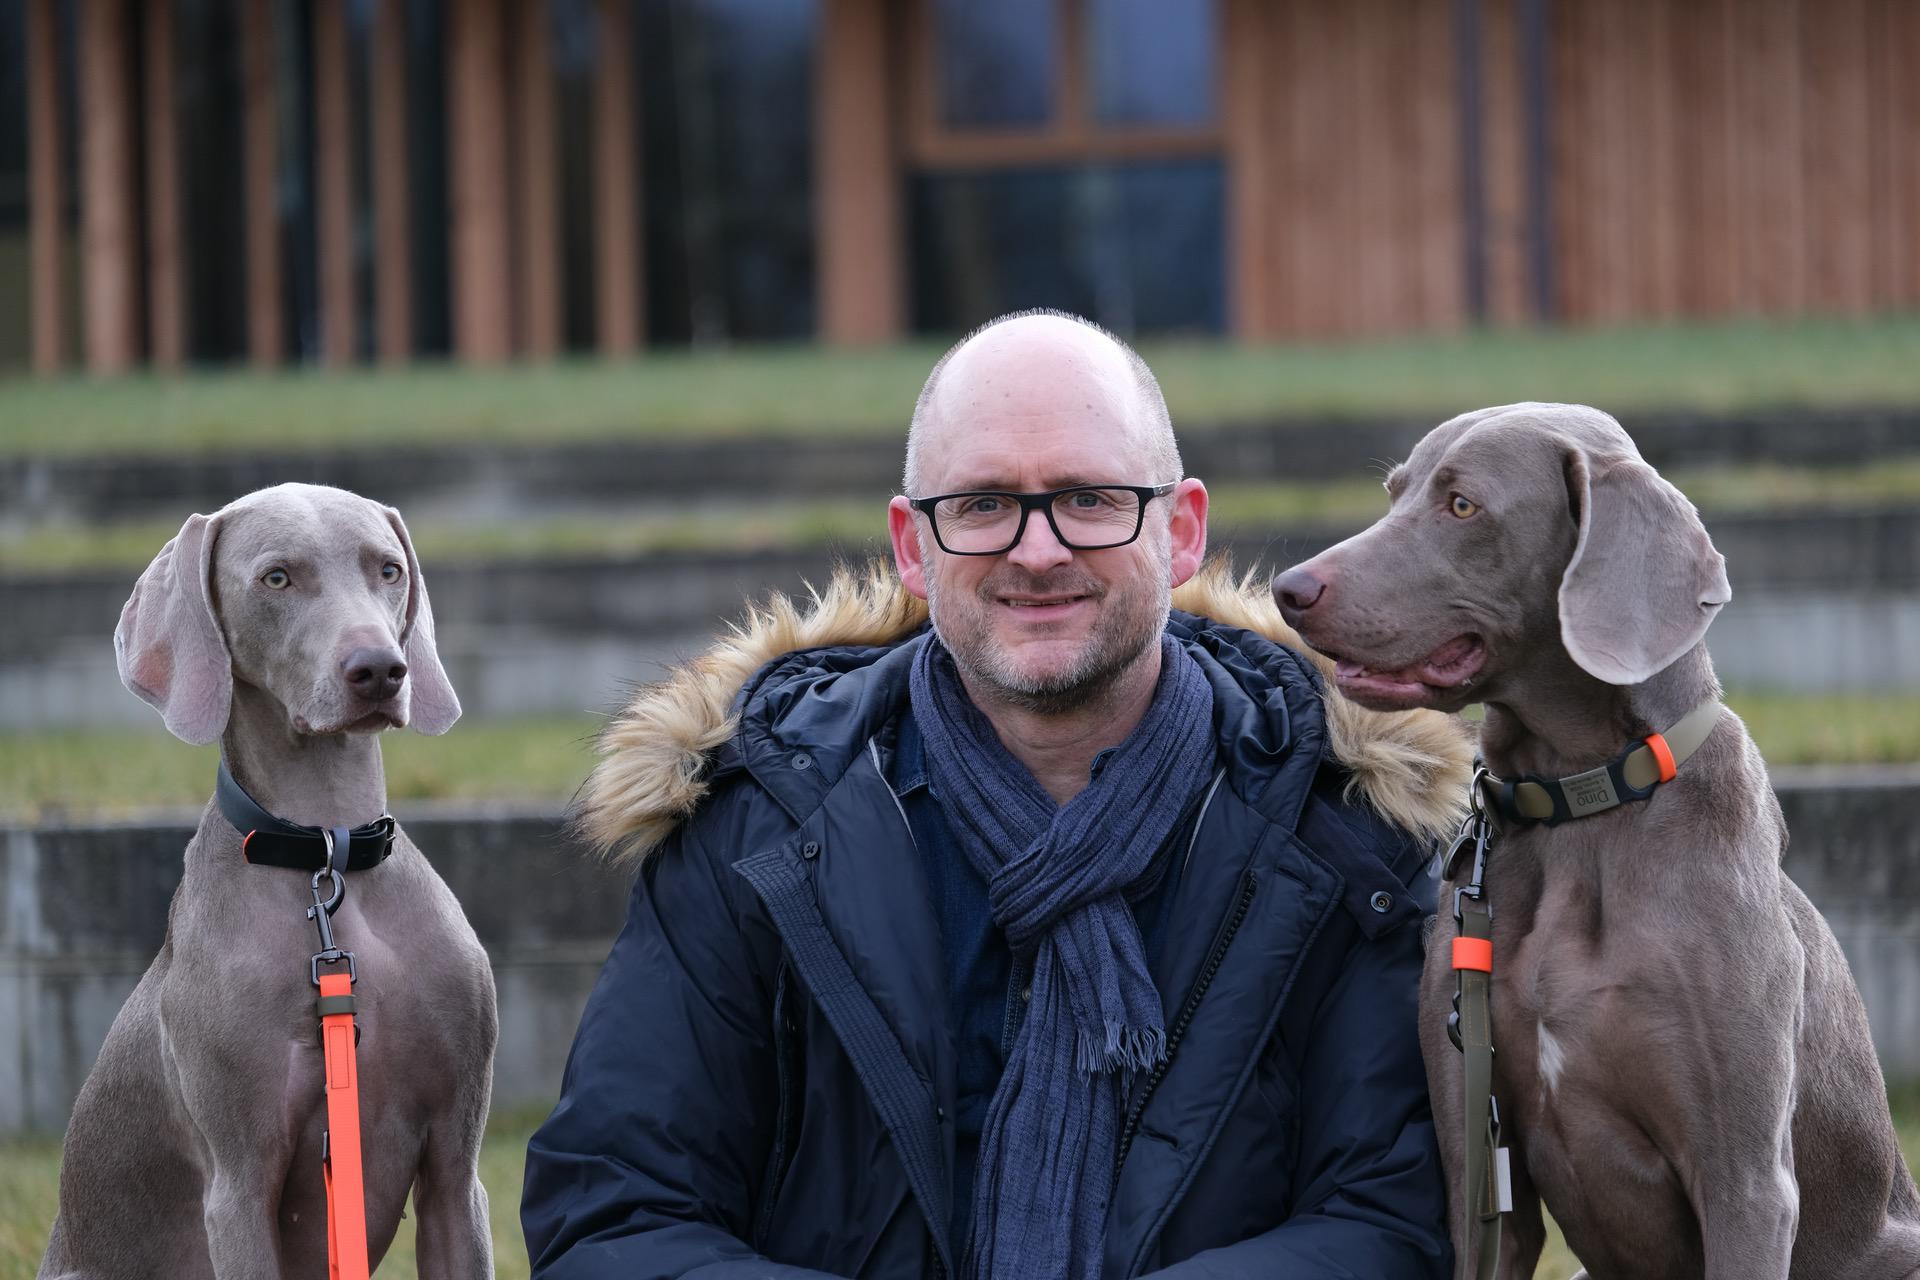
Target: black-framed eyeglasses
point(1084, 517)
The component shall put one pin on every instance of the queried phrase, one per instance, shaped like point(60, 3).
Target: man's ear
point(908, 556)
point(1188, 527)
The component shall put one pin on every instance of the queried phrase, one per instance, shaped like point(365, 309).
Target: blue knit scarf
point(1058, 880)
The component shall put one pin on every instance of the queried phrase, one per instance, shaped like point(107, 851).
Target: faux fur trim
point(1412, 766)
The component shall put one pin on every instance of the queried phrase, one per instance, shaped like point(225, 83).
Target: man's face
point(1043, 626)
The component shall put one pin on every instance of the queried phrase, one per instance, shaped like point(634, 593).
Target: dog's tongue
point(1451, 663)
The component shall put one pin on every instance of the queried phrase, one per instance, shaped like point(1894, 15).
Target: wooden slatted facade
point(1390, 166)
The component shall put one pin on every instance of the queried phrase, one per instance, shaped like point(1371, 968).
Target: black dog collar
point(267, 841)
point(1631, 775)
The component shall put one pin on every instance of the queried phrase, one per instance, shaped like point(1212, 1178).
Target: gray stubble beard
point(1090, 680)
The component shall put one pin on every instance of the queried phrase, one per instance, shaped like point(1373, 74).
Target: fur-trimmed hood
point(1411, 766)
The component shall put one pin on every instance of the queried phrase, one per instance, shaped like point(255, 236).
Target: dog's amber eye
point(1464, 507)
point(389, 572)
point(276, 578)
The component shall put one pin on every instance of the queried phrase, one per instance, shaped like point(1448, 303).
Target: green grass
point(722, 526)
point(88, 773)
point(29, 1176)
point(91, 773)
point(808, 389)
point(30, 1194)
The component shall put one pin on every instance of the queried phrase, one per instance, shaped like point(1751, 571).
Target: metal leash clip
point(321, 913)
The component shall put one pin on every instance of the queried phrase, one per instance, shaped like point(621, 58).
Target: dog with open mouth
point(1683, 1068)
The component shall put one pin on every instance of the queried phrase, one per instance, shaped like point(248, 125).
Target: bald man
point(1039, 930)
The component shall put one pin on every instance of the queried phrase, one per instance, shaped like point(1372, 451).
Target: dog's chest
point(1571, 1068)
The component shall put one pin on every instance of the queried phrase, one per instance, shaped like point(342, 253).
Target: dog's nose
point(1296, 590)
point(375, 674)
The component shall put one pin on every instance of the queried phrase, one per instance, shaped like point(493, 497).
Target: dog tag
point(1589, 792)
point(1503, 1179)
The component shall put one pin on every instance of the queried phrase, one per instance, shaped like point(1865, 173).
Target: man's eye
point(277, 579)
point(984, 505)
point(1088, 499)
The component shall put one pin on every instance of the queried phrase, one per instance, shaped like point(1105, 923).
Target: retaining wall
point(83, 910)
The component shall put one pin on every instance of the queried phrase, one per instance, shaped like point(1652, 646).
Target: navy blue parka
point(763, 1080)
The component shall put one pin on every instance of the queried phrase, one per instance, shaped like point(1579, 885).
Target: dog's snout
point(375, 674)
point(1297, 590)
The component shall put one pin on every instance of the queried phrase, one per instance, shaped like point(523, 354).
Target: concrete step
point(1823, 602)
point(501, 481)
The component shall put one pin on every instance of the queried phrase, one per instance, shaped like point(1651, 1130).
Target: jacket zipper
point(1215, 958)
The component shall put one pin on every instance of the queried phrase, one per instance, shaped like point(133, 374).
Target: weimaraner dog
point(292, 626)
point(1682, 1063)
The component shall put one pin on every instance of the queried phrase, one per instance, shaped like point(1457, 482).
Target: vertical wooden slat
point(1245, 62)
point(1902, 126)
point(1769, 91)
point(1660, 214)
point(1835, 152)
point(857, 176)
point(1364, 196)
point(477, 191)
point(615, 176)
point(1287, 131)
point(1567, 175)
point(392, 233)
point(265, 330)
point(1434, 97)
point(1704, 157)
point(1504, 163)
point(166, 267)
point(46, 190)
point(109, 201)
point(1613, 62)
point(536, 185)
point(1312, 232)
point(333, 182)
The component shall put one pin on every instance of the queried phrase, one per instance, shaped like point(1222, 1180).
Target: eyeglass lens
point(1086, 519)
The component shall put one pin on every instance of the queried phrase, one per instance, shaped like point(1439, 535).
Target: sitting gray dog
point(1683, 1066)
point(292, 626)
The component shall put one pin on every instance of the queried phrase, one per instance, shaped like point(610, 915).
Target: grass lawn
point(808, 389)
point(845, 522)
point(113, 772)
point(29, 1173)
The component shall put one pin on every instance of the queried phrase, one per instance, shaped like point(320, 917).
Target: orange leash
point(346, 1186)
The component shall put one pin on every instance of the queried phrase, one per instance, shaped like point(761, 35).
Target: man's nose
point(1038, 548)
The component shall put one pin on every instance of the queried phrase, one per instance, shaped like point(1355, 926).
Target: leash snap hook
point(321, 913)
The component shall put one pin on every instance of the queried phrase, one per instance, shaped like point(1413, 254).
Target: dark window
point(212, 192)
point(726, 168)
point(14, 297)
point(994, 62)
point(1153, 63)
point(1135, 246)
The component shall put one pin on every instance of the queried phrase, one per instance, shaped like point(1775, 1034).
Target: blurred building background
point(338, 181)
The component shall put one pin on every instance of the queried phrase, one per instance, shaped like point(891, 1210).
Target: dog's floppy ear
point(432, 706)
point(168, 645)
point(1644, 580)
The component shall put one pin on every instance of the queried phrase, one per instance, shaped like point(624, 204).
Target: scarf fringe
point(1126, 1049)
